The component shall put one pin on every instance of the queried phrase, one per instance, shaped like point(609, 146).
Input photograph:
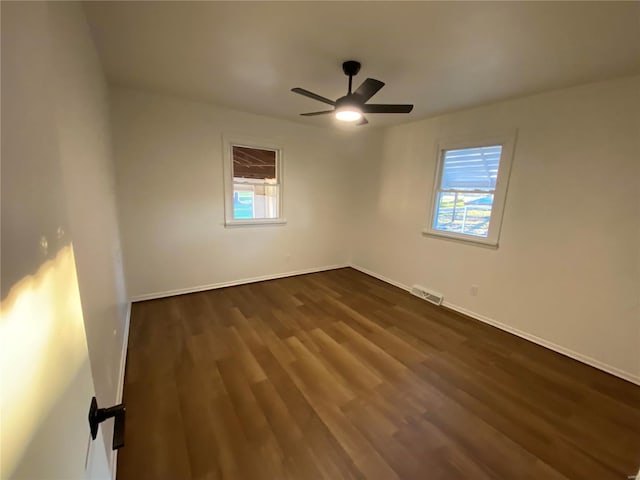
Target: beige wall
point(57, 183)
point(567, 270)
point(84, 137)
point(169, 158)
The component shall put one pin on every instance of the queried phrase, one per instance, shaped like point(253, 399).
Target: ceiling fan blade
point(368, 89)
point(362, 121)
point(315, 96)
point(313, 114)
point(378, 108)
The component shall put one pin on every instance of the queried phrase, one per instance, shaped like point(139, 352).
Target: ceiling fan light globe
point(349, 115)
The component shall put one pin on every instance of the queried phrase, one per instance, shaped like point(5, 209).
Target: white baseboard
point(120, 391)
point(520, 333)
point(213, 286)
point(381, 277)
point(546, 343)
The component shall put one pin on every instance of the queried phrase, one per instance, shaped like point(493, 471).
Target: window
point(470, 189)
point(253, 183)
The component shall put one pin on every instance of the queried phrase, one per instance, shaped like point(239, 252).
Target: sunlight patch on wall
point(42, 347)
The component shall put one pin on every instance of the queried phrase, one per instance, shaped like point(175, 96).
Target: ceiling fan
point(353, 106)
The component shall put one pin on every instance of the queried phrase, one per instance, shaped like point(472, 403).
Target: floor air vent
point(428, 295)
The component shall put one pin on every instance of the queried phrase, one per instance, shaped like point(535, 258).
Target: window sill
point(255, 223)
point(481, 242)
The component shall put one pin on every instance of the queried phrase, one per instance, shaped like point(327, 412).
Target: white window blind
point(474, 169)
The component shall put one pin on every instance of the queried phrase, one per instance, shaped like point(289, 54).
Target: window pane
point(242, 204)
point(471, 168)
point(467, 213)
point(255, 201)
point(254, 163)
point(266, 201)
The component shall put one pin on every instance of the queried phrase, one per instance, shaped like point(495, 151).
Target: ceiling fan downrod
point(351, 69)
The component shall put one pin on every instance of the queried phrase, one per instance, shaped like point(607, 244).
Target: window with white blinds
point(470, 189)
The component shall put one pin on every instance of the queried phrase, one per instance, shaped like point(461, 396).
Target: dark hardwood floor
point(337, 375)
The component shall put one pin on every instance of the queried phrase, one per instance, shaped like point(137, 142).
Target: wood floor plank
point(337, 375)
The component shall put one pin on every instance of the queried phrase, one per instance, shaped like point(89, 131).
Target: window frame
point(507, 141)
point(230, 141)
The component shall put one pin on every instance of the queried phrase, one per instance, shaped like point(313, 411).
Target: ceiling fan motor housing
point(351, 67)
point(349, 100)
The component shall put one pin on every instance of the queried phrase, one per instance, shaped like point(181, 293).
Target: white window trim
point(228, 141)
point(508, 141)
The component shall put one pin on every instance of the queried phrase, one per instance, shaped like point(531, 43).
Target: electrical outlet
point(474, 290)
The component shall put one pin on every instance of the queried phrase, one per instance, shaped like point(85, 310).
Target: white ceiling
point(441, 56)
